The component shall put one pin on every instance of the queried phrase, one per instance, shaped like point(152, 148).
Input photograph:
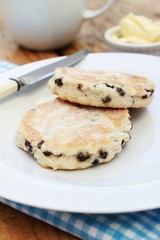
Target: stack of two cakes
point(88, 123)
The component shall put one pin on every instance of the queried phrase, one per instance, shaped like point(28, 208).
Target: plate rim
point(83, 209)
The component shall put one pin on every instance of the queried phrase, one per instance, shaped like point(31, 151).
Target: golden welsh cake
point(63, 135)
point(102, 89)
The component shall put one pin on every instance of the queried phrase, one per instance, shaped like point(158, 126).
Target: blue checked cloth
point(129, 226)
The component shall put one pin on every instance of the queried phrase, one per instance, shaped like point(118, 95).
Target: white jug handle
point(88, 14)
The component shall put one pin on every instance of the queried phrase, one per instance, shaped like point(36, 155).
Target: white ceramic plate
point(130, 182)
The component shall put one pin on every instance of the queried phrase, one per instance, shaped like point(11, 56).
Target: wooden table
point(13, 224)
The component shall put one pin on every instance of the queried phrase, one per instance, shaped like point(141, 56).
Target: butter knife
point(44, 73)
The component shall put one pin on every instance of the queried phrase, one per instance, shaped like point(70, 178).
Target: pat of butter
point(137, 29)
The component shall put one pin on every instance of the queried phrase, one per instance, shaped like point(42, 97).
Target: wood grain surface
point(13, 224)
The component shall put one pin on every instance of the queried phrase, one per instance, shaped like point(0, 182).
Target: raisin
point(82, 156)
point(103, 154)
point(58, 155)
point(110, 86)
point(123, 142)
point(59, 82)
point(144, 96)
point(106, 99)
point(28, 146)
point(150, 90)
point(79, 86)
point(121, 91)
point(95, 161)
point(40, 144)
point(47, 153)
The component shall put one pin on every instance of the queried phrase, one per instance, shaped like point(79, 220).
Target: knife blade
point(44, 73)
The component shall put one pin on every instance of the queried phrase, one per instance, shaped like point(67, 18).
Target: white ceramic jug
point(46, 24)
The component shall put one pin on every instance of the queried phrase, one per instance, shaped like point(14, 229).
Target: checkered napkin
point(129, 226)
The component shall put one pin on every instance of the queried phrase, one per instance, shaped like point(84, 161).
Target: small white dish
point(148, 48)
